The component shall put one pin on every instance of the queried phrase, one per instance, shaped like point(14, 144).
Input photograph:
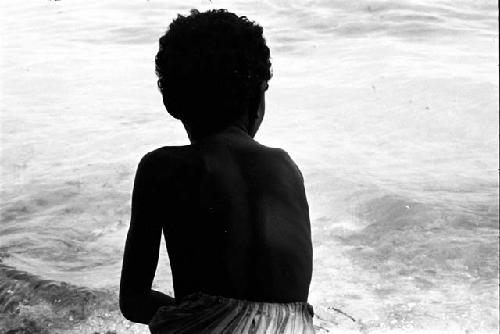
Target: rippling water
point(390, 108)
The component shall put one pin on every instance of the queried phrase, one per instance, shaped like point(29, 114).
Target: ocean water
point(390, 108)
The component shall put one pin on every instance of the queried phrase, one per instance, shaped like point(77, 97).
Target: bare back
point(235, 219)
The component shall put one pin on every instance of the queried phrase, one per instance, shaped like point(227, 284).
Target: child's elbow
point(129, 308)
point(126, 308)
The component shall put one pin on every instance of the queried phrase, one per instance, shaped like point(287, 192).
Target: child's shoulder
point(287, 160)
point(182, 158)
point(168, 153)
point(279, 158)
point(277, 152)
point(167, 159)
point(269, 151)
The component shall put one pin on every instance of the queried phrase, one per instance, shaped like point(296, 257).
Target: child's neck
point(240, 128)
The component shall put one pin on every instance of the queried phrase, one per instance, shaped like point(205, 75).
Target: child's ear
point(170, 107)
point(253, 111)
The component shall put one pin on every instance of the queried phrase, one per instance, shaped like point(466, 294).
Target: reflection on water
point(389, 108)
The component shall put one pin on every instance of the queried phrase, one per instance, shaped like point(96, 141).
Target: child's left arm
point(138, 302)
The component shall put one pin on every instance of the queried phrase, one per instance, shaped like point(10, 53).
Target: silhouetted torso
point(235, 219)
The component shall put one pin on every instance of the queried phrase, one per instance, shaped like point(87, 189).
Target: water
point(389, 108)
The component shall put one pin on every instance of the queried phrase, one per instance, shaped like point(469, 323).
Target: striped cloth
point(202, 313)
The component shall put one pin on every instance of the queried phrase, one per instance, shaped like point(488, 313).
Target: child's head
point(210, 69)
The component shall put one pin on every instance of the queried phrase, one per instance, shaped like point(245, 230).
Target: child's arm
point(138, 302)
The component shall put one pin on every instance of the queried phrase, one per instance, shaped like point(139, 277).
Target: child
point(233, 212)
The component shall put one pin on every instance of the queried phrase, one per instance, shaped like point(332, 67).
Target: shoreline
point(31, 304)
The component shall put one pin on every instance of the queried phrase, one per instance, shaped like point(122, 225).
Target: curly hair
point(210, 66)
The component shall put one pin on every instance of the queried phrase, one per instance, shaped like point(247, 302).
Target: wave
point(399, 19)
point(402, 20)
point(408, 238)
